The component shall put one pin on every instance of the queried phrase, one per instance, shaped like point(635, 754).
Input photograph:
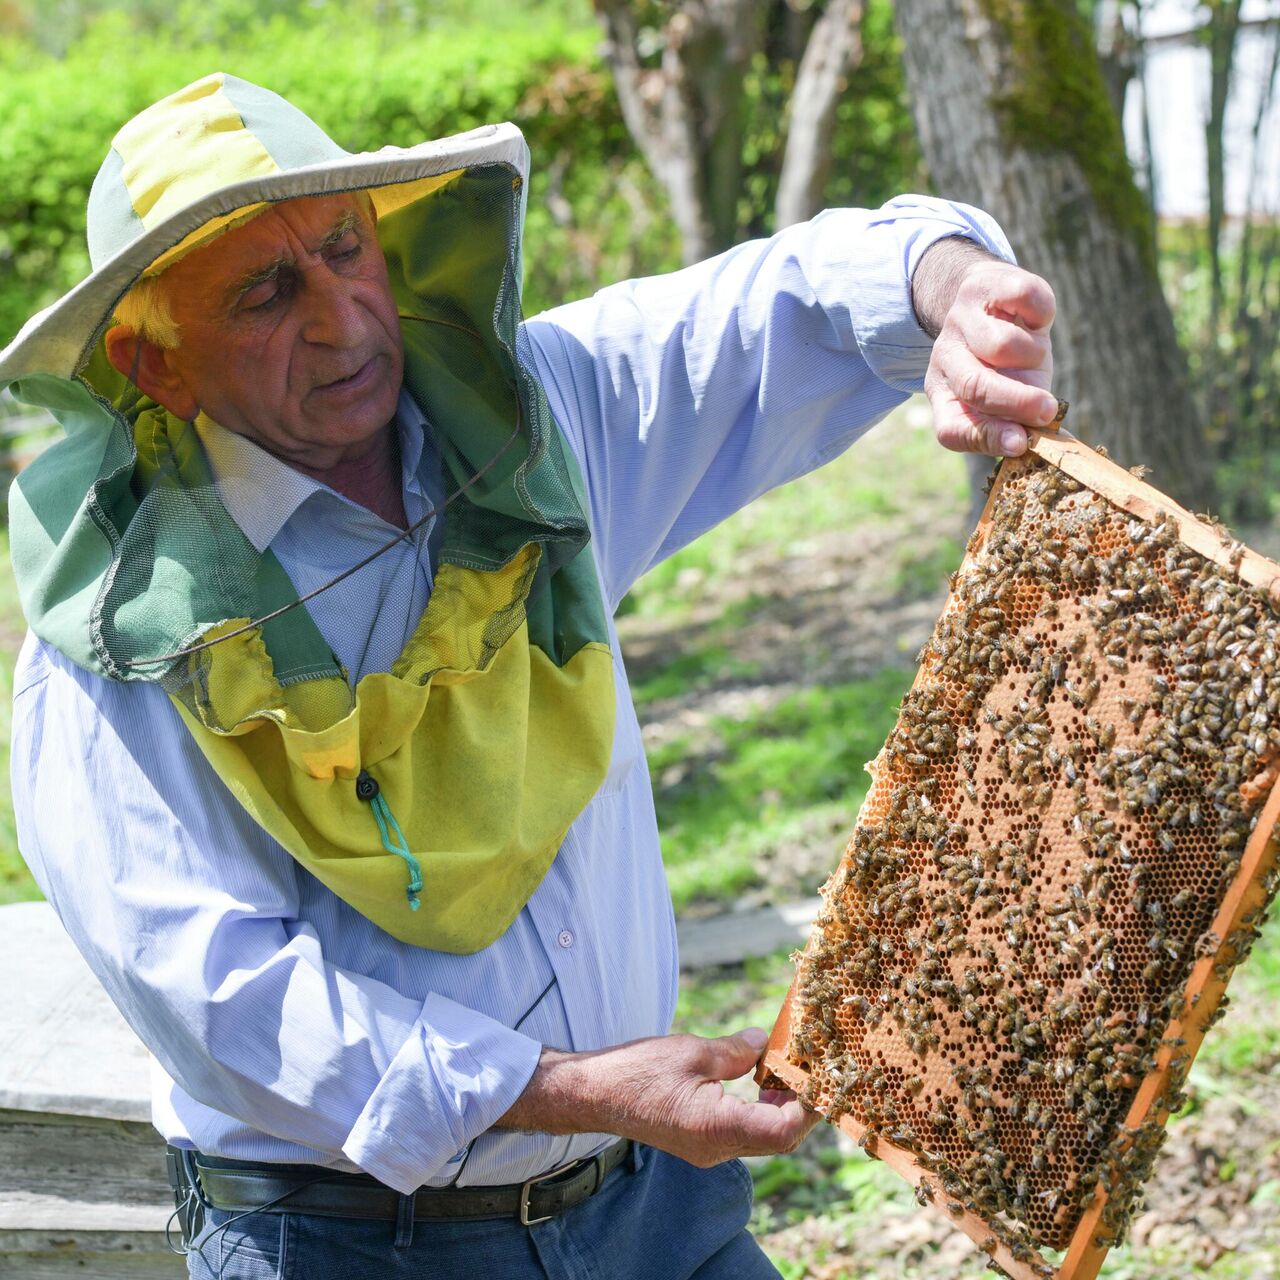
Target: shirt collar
point(261, 493)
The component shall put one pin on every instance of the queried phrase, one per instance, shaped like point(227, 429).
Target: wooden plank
point(124, 1258)
point(83, 1196)
point(63, 1046)
point(77, 1166)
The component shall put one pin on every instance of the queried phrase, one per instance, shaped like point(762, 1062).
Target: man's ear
point(148, 367)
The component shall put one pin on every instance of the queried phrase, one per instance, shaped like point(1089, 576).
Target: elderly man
point(322, 745)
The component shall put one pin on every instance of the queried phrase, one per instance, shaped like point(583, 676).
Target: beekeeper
point(323, 749)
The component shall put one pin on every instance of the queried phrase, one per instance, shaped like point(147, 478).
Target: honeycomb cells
point(1052, 827)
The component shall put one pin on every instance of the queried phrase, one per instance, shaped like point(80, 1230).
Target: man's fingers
point(960, 429)
point(758, 1128)
point(1004, 344)
point(1014, 293)
point(990, 393)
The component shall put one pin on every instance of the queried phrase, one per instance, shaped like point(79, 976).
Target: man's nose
point(330, 316)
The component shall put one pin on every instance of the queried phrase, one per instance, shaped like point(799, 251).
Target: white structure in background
point(1177, 82)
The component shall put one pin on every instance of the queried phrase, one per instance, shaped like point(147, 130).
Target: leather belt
point(242, 1187)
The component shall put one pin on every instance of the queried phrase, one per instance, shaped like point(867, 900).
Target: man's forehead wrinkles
point(243, 281)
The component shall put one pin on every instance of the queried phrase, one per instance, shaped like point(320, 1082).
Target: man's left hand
point(992, 361)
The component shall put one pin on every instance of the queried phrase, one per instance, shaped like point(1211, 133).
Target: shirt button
point(565, 938)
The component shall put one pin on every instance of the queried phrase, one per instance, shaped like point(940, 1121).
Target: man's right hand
point(665, 1091)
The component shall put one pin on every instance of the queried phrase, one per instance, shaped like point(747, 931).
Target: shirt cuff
point(456, 1074)
point(882, 317)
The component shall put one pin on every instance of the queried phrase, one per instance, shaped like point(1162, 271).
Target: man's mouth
point(354, 379)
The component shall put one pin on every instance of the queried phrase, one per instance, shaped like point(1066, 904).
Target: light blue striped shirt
point(284, 1025)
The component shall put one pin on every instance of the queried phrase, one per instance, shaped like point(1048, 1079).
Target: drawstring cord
point(393, 841)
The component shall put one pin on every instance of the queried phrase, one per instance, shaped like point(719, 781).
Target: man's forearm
point(560, 1098)
point(665, 1091)
point(938, 276)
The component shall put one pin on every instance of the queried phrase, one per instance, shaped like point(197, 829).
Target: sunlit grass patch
point(720, 1001)
point(1247, 1040)
point(919, 569)
point(692, 670)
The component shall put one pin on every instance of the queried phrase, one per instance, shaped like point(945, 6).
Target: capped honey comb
point(1068, 845)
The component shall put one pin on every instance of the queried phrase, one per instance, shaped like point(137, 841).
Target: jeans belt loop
point(404, 1223)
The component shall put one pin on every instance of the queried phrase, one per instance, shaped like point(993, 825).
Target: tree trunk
point(1223, 25)
point(1014, 116)
point(686, 113)
point(1115, 51)
point(833, 51)
point(1150, 177)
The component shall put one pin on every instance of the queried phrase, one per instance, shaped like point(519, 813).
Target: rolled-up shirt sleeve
point(687, 395)
point(188, 915)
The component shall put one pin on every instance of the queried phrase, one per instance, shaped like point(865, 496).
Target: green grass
point(693, 669)
point(918, 569)
point(720, 1001)
point(768, 773)
point(16, 884)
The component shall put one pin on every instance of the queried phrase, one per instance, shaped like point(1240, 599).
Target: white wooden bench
point(82, 1181)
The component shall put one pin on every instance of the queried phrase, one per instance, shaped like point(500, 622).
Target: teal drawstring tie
point(393, 840)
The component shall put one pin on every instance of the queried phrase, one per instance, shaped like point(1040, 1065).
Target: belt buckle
point(527, 1187)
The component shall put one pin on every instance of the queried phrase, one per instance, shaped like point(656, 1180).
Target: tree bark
point(832, 53)
point(1014, 116)
point(686, 113)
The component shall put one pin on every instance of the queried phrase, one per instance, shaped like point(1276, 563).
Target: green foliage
point(368, 83)
point(1056, 99)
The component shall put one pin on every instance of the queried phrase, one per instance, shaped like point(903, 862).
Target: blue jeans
point(655, 1218)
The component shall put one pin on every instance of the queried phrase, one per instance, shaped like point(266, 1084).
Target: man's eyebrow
point(349, 221)
point(242, 284)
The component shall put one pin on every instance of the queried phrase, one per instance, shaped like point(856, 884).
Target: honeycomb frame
point(1068, 817)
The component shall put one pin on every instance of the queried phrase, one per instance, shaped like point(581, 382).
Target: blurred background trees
point(1131, 148)
point(682, 74)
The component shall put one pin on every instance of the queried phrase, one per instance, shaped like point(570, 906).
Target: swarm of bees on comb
point(1068, 845)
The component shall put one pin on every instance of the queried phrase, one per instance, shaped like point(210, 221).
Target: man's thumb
point(740, 1052)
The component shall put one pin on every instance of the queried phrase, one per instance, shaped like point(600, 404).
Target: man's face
point(289, 332)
